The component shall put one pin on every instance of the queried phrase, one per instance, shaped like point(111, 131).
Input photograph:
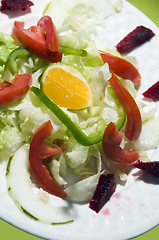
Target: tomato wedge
point(52, 40)
point(122, 67)
point(37, 39)
point(38, 153)
point(111, 146)
point(14, 90)
point(134, 121)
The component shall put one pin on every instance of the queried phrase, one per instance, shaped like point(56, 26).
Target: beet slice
point(134, 39)
point(13, 5)
point(105, 188)
point(149, 167)
point(152, 92)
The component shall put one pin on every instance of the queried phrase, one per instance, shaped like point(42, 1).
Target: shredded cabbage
point(10, 136)
point(80, 14)
point(149, 137)
point(6, 47)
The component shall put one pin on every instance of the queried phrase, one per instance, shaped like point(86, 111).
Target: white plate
point(133, 210)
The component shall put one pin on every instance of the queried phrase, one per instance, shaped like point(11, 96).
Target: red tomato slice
point(122, 67)
point(34, 40)
point(111, 146)
point(14, 90)
point(38, 153)
point(134, 122)
point(52, 40)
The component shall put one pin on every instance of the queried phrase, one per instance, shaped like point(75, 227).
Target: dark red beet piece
point(15, 5)
point(105, 188)
point(134, 39)
point(149, 167)
point(153, 92)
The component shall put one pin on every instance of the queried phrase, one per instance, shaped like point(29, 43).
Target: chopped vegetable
point(79, 15)
point(112, 149)
point(149, 167)
point(105, 188)
point(122, 67)
point(14, 55)
point(13, 5)
point(134, 39)
point(76, 131)
point(134, 122)
point(34, 39)
point(51, 37)
point(153, 92)
point(73, 51)
point(6, 47)
point(38, 152)
point(14, 90)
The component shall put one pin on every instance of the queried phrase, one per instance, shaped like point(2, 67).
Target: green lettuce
point(10, 138)
point(6, 47)
point(84, 64)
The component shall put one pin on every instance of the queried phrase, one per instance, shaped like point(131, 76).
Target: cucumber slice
point(27, 196)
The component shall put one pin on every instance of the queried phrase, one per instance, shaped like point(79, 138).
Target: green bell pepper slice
point(73, 51)
point(76, 131)
point(15, 54)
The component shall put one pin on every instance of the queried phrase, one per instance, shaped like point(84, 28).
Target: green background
point(8, 232)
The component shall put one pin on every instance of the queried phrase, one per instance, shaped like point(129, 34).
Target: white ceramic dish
point(133, 210)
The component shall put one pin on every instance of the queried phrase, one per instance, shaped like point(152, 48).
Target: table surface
point(151, 9)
